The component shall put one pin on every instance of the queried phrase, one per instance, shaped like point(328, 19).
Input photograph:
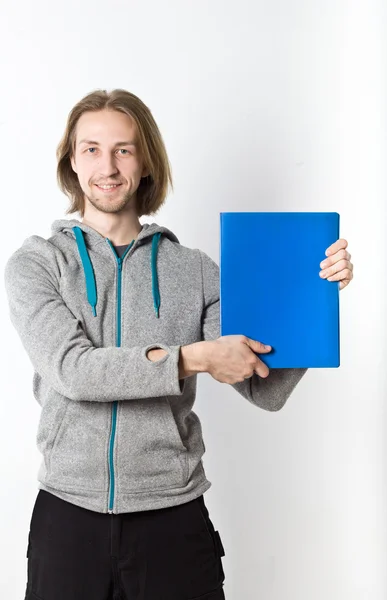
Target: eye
point(91, 149)
point(124, 150)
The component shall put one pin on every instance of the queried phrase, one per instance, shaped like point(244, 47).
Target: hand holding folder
point(233, 359)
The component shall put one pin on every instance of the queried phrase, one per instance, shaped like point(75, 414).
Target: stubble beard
point(111, 206)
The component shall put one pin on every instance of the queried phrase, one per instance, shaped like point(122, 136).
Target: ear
point(73, 164)
point(145, 172)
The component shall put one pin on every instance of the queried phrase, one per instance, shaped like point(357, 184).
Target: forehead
point(106, 126)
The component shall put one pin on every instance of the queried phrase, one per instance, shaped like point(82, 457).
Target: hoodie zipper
point(112, 478)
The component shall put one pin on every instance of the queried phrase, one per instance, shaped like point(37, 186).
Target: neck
point(121, 228)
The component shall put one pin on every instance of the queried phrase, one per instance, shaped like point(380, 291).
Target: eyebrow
point(125, 143)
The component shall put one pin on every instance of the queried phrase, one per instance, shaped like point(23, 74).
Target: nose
point(107, 165)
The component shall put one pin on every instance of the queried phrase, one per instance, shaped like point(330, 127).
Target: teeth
point(107, 187)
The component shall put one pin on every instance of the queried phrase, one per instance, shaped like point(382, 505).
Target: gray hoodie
point(117, 432)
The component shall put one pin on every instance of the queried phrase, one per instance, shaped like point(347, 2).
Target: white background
point(264, 105)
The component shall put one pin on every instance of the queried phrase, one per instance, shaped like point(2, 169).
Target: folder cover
point(270, 288)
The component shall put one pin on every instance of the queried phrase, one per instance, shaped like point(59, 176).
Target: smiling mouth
point(108, 187)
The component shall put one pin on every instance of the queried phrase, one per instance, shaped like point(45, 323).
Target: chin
point(110, 205)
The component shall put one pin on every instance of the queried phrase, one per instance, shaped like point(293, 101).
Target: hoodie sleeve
point(58, 347)
point(270, 393)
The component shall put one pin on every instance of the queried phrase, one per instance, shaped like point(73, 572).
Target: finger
point(257, 346)
point(345, 275)
point(343, 284)
point(338, 245)
point(342, 265)
point(261, 369)
point(331, 260)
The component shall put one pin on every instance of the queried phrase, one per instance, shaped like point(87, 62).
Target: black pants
point(77, 554)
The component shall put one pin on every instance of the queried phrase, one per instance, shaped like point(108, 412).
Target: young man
point(118, 319)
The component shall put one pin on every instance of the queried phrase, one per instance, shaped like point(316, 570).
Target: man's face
point(107, 159)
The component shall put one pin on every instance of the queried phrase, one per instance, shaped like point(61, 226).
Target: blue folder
point(270, 288)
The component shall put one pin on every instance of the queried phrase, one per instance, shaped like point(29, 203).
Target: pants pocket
point(214, 534)
point(210, 527)
point(219, 544)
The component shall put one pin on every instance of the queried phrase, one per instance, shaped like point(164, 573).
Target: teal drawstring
point(91, 287)
point(155, 280)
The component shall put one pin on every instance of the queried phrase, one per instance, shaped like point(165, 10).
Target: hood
point(93, 238)
point(86, 238)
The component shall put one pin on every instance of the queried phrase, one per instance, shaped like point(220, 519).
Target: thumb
point(257, 346)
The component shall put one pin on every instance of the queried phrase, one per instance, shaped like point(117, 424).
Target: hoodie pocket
point(77, 460)
point(59, 417)
point(150, 454)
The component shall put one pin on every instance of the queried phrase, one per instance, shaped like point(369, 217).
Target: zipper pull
point(119, 263)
